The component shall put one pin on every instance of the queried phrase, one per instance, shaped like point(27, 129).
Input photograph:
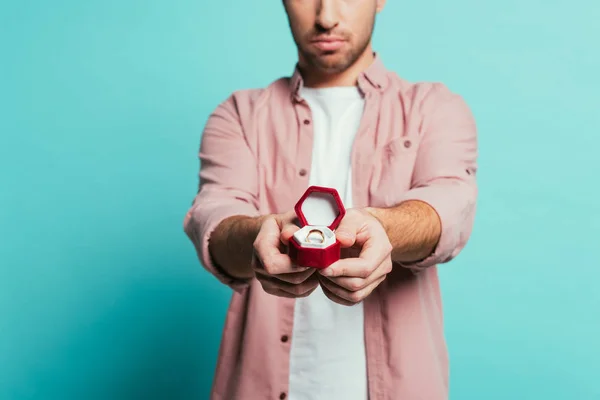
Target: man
point(403, 158)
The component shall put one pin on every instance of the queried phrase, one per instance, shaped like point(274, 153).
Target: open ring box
point(320, 211)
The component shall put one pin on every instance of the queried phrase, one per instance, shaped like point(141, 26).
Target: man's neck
point(349, 77)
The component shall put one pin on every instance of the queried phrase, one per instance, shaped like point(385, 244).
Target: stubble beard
point(331, 63)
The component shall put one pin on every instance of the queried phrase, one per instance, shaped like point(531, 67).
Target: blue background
point(102, 104)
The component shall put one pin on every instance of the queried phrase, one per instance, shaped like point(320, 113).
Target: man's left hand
point(350, 280)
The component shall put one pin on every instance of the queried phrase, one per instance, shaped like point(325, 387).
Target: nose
point(327, 15)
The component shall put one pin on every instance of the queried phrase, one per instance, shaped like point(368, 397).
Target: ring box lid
point(320, 206)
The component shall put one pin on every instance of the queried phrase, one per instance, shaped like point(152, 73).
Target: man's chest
point(381, 153)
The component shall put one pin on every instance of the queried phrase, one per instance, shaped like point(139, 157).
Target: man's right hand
point(273, 267)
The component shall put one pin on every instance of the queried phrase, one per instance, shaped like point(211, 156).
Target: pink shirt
point(416, 141)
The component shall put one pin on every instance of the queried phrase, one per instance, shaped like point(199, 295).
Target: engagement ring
point(315, 236)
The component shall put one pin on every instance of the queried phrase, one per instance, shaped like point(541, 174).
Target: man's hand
point(350, 280)
point(274, 269)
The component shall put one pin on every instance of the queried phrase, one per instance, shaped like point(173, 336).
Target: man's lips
point(328, 43)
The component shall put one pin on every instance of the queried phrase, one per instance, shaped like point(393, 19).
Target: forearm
point(231, 245)
point(413, 228)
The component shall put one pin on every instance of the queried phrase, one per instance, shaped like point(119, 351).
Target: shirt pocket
point(392, 177)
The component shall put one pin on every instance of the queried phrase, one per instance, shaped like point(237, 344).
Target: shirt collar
point(374, 78)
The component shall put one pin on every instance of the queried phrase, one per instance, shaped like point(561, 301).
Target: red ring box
point(320, 208)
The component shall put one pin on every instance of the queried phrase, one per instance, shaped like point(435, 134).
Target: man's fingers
point(354, 284)
point(273, 286)
point(345, 233)
point(268, 250)
point(294, 277)
point(279, 264)
point(279, 293)
point(275, 270)
point(275, 263)
point(373, 253)
point(350, 296)
point(267, 240)
point(287, 232)
point(333, 297)
point(350, 267)
point(297, 277)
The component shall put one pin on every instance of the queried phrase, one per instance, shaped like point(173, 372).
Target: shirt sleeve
point(228, 185)
point(444, 173)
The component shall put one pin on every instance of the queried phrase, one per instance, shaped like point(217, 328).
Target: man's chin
point(331, 65)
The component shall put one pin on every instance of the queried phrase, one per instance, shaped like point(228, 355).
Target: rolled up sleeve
point(445, 173)
point(228, 185)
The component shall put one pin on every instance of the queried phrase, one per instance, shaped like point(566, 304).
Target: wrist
point(231, 245)
point(245, 227)
point(380, 214)
point(413, 228)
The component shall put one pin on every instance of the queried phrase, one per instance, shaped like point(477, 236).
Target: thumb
point(285, 219)
point(346, 231)
point(288, 217)
point(288, 228)
point(287, 232)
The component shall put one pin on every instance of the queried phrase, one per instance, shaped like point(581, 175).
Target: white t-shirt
point(328, 358)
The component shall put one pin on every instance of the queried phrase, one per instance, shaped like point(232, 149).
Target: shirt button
point(282, 396)
point(307, 122)
point(302, 172)
point(407, 144)
point(284, 338)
